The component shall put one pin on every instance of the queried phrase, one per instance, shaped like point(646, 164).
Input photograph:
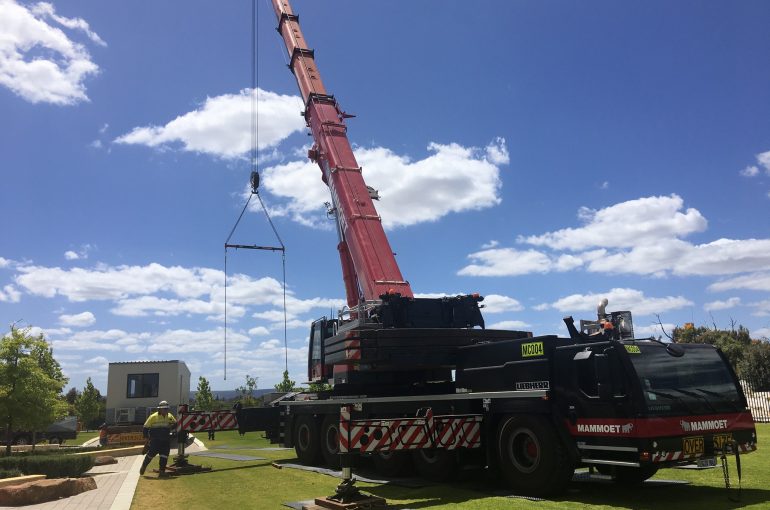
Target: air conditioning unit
point(125, 414)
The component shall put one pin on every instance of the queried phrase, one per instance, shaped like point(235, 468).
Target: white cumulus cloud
point(187, 291)
point(507, 262)
point(451, 179)
point(112, 283)
point(9, 294)
point(639, 236)
point(621, 299)
point(186, 341)
point(80, 320)
point(99, 340)
point(627, 224)
point(722, 305)
point(761, 308)
point(222, 125)
point(654, 330)
point(764, 161)
point(495, 303)
point(510, 325)
point(38, 61)
point(750, 171)
point(755, 281)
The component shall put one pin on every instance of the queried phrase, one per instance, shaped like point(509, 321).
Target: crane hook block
point(254, 181)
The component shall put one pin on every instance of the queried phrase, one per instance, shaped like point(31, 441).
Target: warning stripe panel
point(202, 421)
point(447, 432)
point(344, 430)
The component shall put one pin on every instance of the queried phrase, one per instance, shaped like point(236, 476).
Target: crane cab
point(317, 368)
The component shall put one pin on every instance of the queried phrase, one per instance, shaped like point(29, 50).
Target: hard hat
point(163, 405)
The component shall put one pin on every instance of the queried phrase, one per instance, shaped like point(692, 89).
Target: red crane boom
point(369, 267)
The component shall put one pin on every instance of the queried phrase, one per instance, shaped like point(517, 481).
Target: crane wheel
point(436, 465)
point(532, 459)
point(330, 440)
point(307, 441)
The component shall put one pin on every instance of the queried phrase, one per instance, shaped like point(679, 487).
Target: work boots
point(145, 463)
point(162, 467)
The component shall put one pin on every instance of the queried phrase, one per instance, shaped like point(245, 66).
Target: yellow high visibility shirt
point(156, 421)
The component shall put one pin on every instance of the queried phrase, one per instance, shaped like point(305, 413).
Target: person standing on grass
point(158, 429)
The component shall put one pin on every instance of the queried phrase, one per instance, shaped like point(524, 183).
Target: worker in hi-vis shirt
point(158, 429)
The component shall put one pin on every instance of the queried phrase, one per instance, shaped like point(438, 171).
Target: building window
point(142, 385)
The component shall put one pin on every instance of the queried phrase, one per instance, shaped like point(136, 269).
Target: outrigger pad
point(412, 483)
point(227, 456)
point(585, 476)
point(299, 505)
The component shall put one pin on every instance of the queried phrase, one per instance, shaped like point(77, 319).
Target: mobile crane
point(532, 408)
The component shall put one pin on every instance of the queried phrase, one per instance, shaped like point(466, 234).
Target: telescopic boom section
point(367, 260)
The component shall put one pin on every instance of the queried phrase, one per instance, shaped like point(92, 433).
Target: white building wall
point(173, 387)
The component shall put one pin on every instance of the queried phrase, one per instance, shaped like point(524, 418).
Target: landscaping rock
point(103, 460)
point(31, 493)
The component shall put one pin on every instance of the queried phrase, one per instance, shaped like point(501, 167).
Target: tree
point(317, 387)
point(31, 383)
point(204, 399)
point(755, 366)
point(286, 385)
point(247, 391)
point(72, 395)
point(733, 343)
point(87, 404)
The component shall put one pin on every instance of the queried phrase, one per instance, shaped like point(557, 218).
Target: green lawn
point(83, 437)
point(258, 485)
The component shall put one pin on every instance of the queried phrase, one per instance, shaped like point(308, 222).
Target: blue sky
point(544, 154)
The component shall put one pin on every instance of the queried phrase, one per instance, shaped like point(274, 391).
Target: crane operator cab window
point(319, 331)
point(599, 373)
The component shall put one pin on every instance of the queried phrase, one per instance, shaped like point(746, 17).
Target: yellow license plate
point(692, 445)
point(722, 440)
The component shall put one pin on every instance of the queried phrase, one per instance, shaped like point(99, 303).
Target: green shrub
point(62, 450)
point(52, 466)
point(9, 473)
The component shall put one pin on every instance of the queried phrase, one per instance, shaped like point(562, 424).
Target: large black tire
point(392, 463)
point(55, 440)
point(307, 441)
point(330, 441)
point(437, 465)
point(533, 461)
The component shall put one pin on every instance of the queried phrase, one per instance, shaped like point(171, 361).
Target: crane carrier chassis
point(421, 381)
point(531, 409)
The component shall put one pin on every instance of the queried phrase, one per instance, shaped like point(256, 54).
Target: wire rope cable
point(255, 191)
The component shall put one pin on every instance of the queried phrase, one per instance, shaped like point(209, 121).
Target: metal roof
point(144, 361)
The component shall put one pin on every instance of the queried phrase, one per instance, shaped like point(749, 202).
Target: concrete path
point(115, 486)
